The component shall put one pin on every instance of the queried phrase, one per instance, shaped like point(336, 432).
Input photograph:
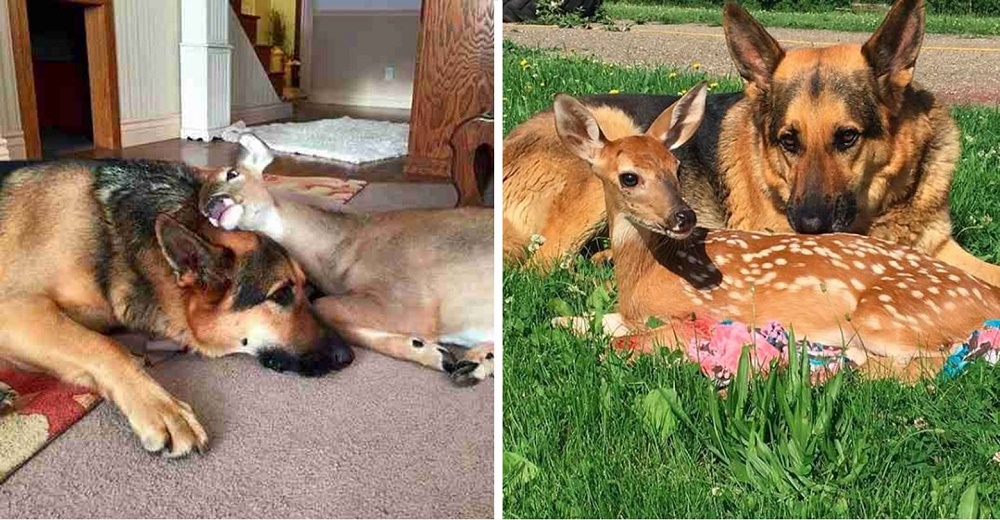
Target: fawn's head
point(639, 172)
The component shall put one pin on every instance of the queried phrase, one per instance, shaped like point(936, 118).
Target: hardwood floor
point(218, 153)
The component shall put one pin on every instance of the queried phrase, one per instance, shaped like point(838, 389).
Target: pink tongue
point(230, 217)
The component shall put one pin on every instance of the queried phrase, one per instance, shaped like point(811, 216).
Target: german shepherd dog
point(836, 139)
point(90, 247)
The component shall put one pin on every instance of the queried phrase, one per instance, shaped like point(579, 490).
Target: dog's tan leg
point(954, 254)
point(35, 331)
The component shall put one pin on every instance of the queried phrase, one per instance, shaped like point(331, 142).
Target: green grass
point(833, 20)
point(587, 434)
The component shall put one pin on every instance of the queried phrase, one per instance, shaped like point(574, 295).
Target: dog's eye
point(789, 142)
point(846, 138)
point(232, 174)
point(283, 296)
point(629, 179)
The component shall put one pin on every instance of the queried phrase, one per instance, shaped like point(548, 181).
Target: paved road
point(959, 69)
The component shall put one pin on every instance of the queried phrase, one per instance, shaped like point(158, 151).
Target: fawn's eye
point(628, 179)
point(283, 296)
point(845, 138)
point(789, 142)
point(232, 174)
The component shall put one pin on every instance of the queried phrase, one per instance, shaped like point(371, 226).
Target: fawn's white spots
point(885, 298)
point(954, 278)
point(962, 291)
point(767, 278)
point(780, 261)
point(933, 290)
point(878, 268)
point(858, 286)
point(859, 265)
point(917, 294)
point(874, 323)
point(950, 306)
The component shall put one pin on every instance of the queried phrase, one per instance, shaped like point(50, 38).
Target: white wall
point(352, 44)
point(148, 37)
point(11, 138)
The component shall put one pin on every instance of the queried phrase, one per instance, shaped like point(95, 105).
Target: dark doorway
point(62, 81)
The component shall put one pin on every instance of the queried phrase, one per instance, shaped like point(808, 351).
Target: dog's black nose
point(334, 354)
point(811, 215)
point(684, 220)
point(341, 354)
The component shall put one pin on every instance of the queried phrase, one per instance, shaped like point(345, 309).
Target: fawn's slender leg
point(36, 332)
point(410, 336)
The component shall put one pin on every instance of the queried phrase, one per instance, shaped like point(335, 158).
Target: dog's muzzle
point(817, 214)
point(335, 355)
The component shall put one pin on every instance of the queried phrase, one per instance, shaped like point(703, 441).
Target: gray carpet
point(383, 438)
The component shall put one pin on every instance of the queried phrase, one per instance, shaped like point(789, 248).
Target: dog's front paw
point(165, 425)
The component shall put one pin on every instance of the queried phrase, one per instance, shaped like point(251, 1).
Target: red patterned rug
point(34, 409)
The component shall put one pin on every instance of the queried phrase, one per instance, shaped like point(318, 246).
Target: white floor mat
point(354, 141)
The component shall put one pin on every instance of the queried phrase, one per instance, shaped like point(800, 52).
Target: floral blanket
point(717, 350)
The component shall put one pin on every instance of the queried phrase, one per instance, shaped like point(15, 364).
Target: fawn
point(894, 310)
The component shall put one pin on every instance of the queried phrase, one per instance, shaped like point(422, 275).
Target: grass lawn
point(833, 20)
point(586, 434)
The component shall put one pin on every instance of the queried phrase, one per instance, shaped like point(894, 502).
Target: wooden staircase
point(249, 23)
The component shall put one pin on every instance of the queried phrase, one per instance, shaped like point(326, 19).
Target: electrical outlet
point(390, 73)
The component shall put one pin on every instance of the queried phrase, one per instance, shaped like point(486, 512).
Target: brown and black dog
point(835, 139)
point(90, 247)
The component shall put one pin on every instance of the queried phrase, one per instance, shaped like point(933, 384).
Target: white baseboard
point(12, 147)
point(262, 114)
point(327, 96)
point(144, 131)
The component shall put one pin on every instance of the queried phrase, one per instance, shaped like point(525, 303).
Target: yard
point(586, 434)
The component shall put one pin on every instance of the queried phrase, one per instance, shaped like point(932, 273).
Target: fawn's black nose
point(684, 220)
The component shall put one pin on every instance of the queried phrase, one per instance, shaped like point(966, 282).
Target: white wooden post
point(206, 58)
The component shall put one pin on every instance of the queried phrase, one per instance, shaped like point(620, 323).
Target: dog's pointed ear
point(578, 129)
point(255, 155)
point(892, 51)
point(755, 52)
point(192, 259)
point(680, 121)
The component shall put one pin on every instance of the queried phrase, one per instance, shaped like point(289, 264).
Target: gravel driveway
point(959, 69)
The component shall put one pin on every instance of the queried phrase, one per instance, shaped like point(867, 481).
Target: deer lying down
point(896, 311)
point(416, 285)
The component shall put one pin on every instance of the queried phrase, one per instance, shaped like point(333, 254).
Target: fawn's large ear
point(681, 120)
point(255, 155)
point(578, 128)
point(892, 51)
point(755, 52)
point(191, 257)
